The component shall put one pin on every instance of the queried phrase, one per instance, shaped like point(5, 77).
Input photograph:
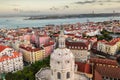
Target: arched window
point(58, 75)
point(68, 75)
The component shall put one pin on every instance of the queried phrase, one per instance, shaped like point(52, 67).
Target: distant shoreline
point(72, 16)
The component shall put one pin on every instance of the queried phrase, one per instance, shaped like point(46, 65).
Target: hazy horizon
point(46, 7)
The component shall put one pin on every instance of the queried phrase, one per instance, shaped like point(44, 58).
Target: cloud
point(66, 6)
point(96, 1)
point(17, 10)
point(25, 11)
point(115, 1)
point(101, 4)
point(85, 2)
point(60, 8)
point(54, 9)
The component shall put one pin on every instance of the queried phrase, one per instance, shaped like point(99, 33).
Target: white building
point(93, 32)
point(10, 60)
point(62, 63)
point(80, 48)
point(109, 47)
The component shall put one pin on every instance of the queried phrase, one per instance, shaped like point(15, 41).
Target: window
point(58, 62)
point(58, 75)
point(68, 75)
point(68, 61)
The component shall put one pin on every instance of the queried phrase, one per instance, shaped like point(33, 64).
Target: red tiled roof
point(94, 45)
point(70, 34)
point(107, 71)
point(80, 44)
point(3, 47)
point(6, 38)
point(106, 67)
point(6, 57)
point(56, 35)
point(103, 61)
point(112, 42)
point(48, 44)
point(29, 48)
point(84, 67)
point(88, 68)
point(97, 76)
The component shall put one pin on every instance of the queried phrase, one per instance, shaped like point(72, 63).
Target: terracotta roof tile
point(3, 47)
point(104, 61)
point(113, 72)
point(97, 76)
point(84, 67)
point(6, 57)
point(106, 67)
point(28, 48)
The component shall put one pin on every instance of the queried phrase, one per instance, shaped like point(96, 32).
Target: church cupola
point(62, 62)
point(61, 39)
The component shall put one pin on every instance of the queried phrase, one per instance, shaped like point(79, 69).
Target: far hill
point(73, 16)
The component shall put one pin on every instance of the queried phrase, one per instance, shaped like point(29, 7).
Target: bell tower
point(61, 40)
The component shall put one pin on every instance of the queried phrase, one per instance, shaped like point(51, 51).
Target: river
point(14, 22)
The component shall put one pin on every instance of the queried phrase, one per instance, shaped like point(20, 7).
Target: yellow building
point(110, 47)
point(31, 54)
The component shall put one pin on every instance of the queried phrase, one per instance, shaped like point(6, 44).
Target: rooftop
point(7, 56)
point(29, 48)
point(3, 47)
point(112, 42)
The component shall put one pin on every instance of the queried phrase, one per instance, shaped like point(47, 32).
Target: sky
point(36, 7)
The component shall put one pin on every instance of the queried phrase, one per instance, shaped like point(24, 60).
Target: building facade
point(79, 48)
point(111, 47)
point(10, 60)
point(31, 54)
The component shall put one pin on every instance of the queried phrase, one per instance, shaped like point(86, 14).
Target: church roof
point(62, 54)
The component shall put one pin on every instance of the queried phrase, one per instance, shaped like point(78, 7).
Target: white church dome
point(62, 57)
point(62, 54)
point(62, 62)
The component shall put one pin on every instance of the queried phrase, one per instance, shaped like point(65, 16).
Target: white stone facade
point(11, 65)
point(81, 55)
point(62, 64)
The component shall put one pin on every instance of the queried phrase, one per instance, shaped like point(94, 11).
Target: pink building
point(49, 48)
